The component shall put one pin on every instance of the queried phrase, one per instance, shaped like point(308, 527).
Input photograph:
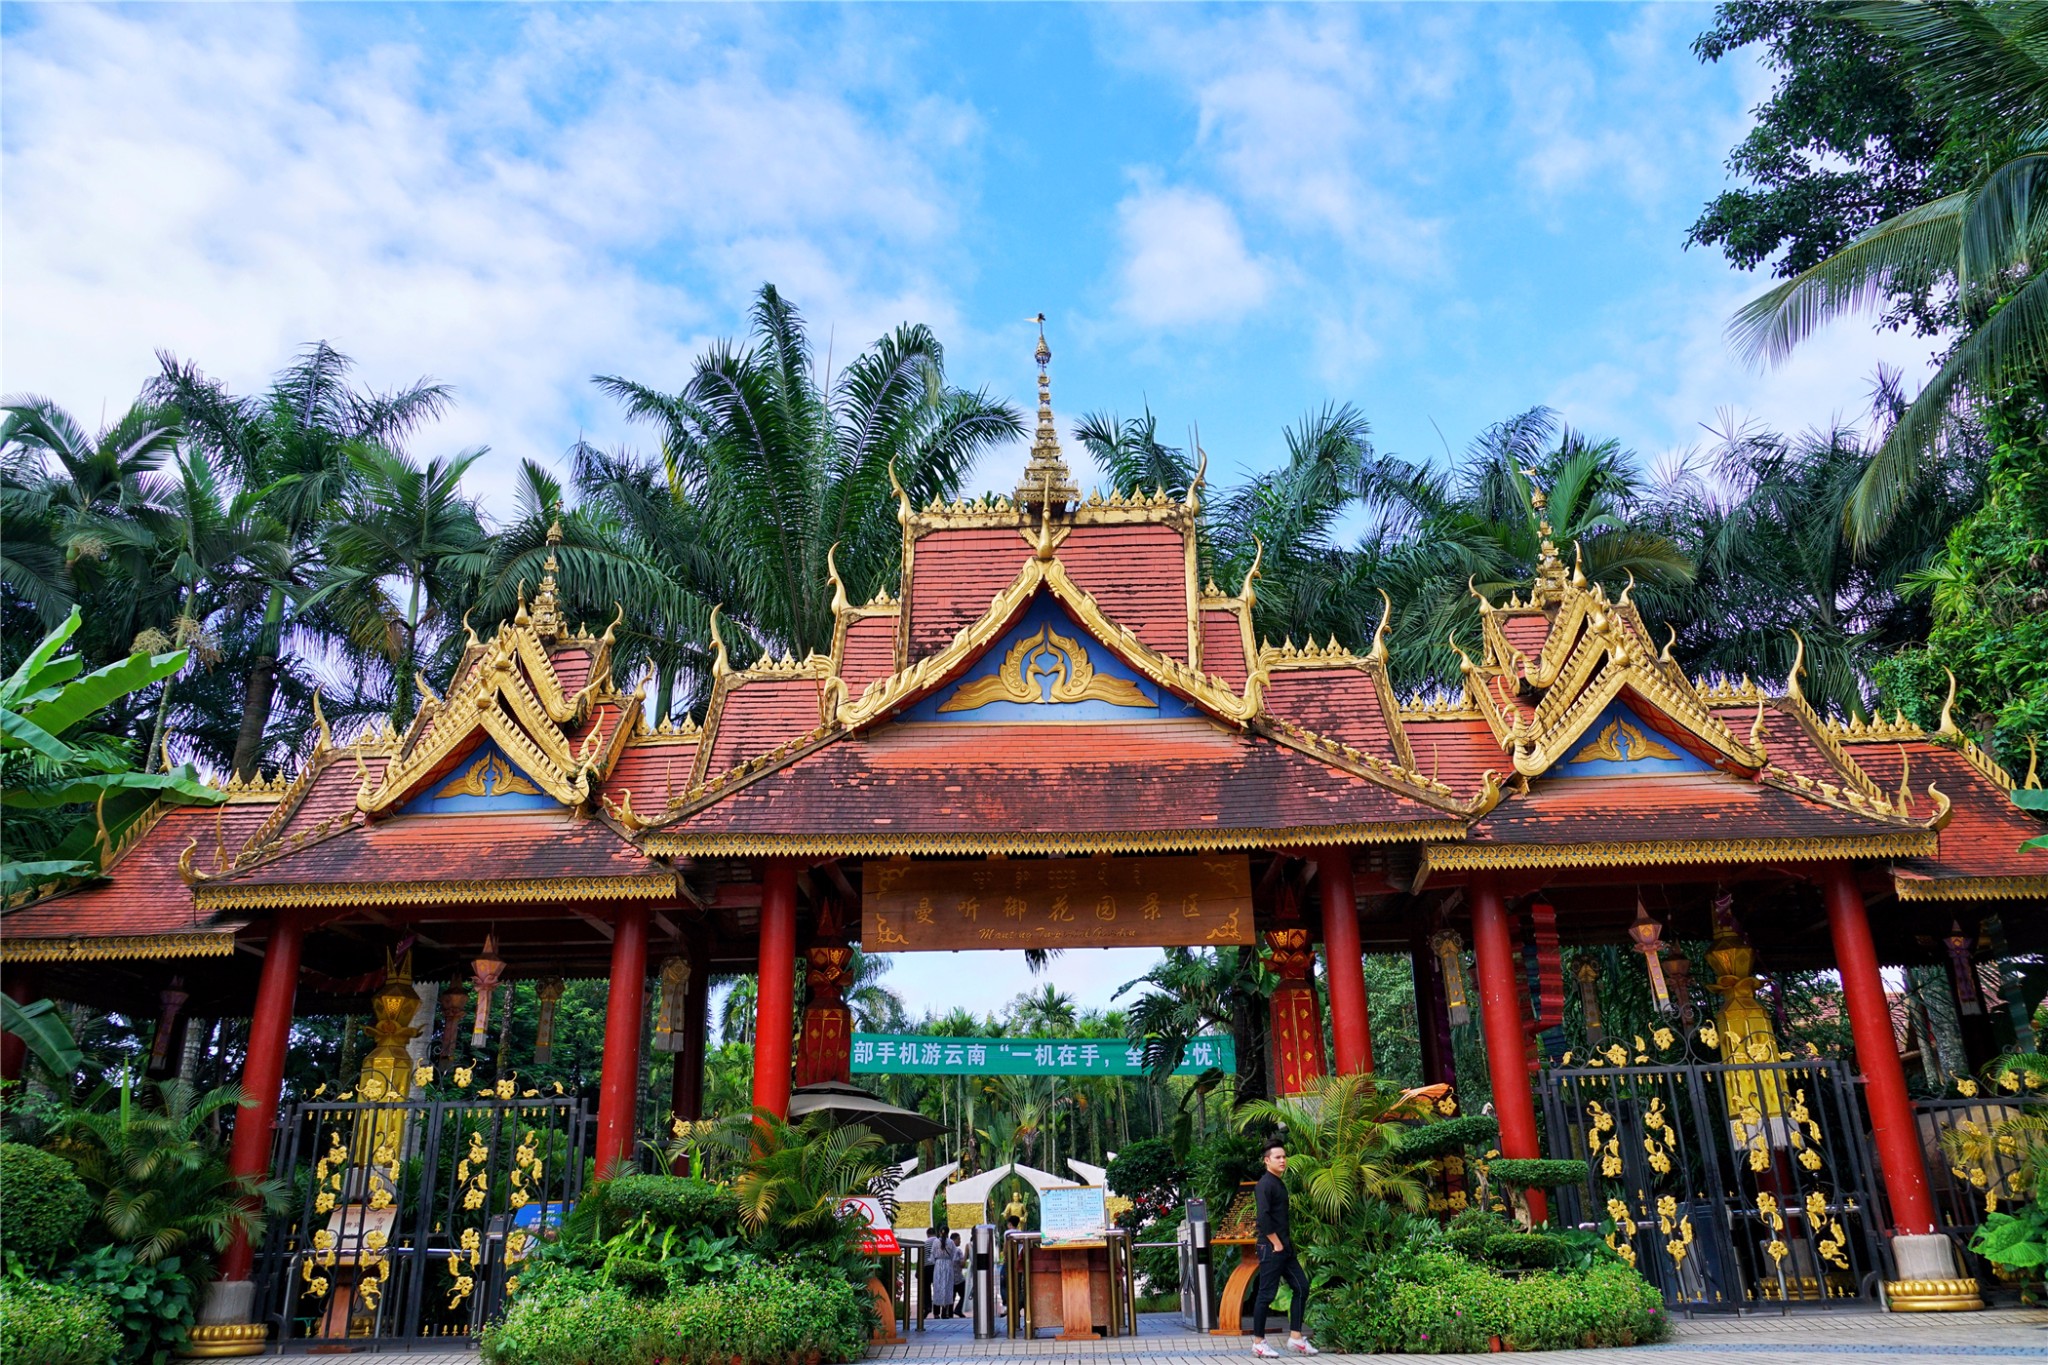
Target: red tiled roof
point(1708, 807)
point(1223, 647)
point(1137, 575)
point(1340, 703)
point(332, 792)
point(144, 893)
point(1786, 740)
point(572, 668)
point(1130, 778)
point(760, 714)
point(870, 651)
point(1526, 631)
point(1985, 831)
point(953, 576)
point(493, 846)
point(652, 771)
point(1457, 752)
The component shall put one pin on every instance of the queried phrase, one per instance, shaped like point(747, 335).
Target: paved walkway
point(1846, 1337)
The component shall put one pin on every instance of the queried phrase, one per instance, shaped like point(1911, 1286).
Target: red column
point(1877, 1052)
point(825, 1052)
point(1297, 1024)
point(686, 1091)
point(1350, 1011)
point(624, 1012)
point(777, 994)
point(270, 1030)
point(1501, 1014)
point(21, 988)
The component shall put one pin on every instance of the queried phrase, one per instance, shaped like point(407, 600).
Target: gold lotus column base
point(1932, 1296)
point(216, 1340)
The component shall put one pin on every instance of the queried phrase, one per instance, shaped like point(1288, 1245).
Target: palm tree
point(1340, 1138)
point(81, 513)
point(408, 534)
point(296, 447)
point(1049, 1010)
point(738, 1011)
point(876, 1008)
point(1445, 534)
point(781, 465)
point(1984, 239)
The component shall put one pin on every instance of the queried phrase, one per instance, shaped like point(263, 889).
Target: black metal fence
point(412, 1219)
point(1731, 1186)
point(1965, 1182)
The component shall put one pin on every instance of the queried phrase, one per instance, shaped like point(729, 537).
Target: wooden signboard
point(1056, 903)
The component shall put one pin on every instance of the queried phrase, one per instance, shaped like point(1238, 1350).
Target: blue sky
point(1444, 214)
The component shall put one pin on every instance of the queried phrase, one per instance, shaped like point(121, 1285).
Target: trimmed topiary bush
point(44, 1206)
point(54, 1324)
point(1535, 1173)
point(565, 1321)
point(1447, 1137)
point(670, 1202)
point(1434, 1302)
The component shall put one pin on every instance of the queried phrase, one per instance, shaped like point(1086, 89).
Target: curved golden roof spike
point(903, 508)
point(326, 739)
point(1948, 709)
point(1201, 479)
point(1379, 636)
point(1793, 691)
point(1664, 655)
point(1624, 600)
point(839, 602)
point(721, 663)
point(1245, 592)
point(2033, 782)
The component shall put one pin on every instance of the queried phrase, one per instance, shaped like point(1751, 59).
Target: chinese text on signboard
point(914, 1054)
point(1056, 903)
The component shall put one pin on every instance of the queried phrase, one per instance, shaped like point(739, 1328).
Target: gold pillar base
point(1932, 1296)
point(215, 1340)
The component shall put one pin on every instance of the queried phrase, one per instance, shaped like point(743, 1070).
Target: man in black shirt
point(1277, 1261)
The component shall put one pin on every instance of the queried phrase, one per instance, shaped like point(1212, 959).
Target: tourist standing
point(1277, 1261)
point(945, 1274)
point(960, 1273)
point(934, 1253)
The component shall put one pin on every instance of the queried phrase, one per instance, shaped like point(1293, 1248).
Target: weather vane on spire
point(1047, 485)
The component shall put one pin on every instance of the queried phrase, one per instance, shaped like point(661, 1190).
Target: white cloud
point(598, 196)
point(1185, 262)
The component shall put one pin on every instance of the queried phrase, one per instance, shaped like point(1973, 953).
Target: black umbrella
point(850, 1104)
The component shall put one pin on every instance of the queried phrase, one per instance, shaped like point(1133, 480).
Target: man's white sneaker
point(1264, 1352)
point(1301, 1346)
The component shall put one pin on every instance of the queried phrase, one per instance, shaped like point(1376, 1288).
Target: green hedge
point(1439, 1303)
point(54, 1324)
point(1535, 1172)
point(761, 1314)
point(669, 1202)
point(1447, 1137)
point(44, 1206)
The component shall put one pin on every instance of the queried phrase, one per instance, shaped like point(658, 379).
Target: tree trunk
point(1248, 1034)
point(256, 699)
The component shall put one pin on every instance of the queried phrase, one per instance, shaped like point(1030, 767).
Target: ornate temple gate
point(1731, 1186)
point(410, 1219)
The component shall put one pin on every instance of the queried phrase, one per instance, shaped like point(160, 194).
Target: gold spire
point(1550, 575)
point(1047, 483)
point(547, 615)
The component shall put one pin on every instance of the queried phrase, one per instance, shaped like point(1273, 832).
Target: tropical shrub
point(1537, 1173)
point(152, 1302)
point(1447, 1137)
point(670, 1202)
point(760, 1313)
point(54, 1324)
point(1218, 1165)
point(44, 1206)
point(1436, 1302)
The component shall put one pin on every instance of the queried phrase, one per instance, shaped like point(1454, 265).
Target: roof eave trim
point(663, 885)
point(1490, 857)
point(120, 947)
point(756, 845)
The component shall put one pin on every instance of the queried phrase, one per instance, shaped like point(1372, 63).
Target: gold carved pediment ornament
point(1046, 654)
point(1621, 742)
point(490, 776)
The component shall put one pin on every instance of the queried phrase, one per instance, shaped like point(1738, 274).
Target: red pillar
point(825, 1052)
point(270, 1029)
point(625, 1010)
point(1500, 1010)
point(1350, 1011)
point(21, 988)
point(777, 994)
point(1877, 1052)
point(686, 1090)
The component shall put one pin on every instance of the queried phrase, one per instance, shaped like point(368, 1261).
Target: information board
point(917, 1054)
point(1073, 1214)
point(1150, 902)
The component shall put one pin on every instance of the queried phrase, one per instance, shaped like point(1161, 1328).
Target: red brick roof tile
point(870, 651)
point(1223, 647)
point(1986, 829)
point(760, 714)
point(954, 573)
point(1676, 809)
point(1457, 752)
point(1137, 575)
point(493, 846)
point(144, 893)
point(1340, 703)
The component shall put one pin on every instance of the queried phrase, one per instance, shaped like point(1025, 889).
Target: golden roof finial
point(904, 511)
point(1664, 655)
point(839, 602)
point(1246, 593)
point(1194, 500)
point(1948, 710)
point(1550, 577)
point(1578, 566)
point(1379, 636)
point(326, 739)
point(1046, 478)
point(2033, 782)
point(547, 616)
point(1793, 691)
point(720, 663)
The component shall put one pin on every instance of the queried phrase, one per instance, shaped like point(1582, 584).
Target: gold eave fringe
point(123, 948)
point(1677, 853)
point(675, 842)
point(1971, 888)
point(214, 896)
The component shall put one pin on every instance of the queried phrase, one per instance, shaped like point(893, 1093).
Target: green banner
point(916, 1054)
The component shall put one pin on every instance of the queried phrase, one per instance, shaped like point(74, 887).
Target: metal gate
point(1730, 1186)
point(411, 1219)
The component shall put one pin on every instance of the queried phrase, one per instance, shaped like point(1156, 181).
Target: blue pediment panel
point(484, 779)
point(1618, 742)
point(1047, 668)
